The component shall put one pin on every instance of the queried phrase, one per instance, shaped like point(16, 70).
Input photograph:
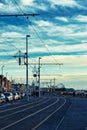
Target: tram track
point(17, 106)
point(19, 109)
point(35, 116)
point(17, 117)
point(52, 121)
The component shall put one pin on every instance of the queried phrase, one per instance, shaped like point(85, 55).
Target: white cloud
point(8, 7)
point(81, 18)
point(69, 31)
point(67, 48)
point(62, 19)
point(77, 34)
point(1, 5)
point(69, 3)
point(43, 23)
point(11, 34)
point(66, 60)
point(84, 41)
point(27, 2)
point(38, 49)
point(60, 30)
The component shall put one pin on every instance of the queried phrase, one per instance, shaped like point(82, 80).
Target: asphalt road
point(46, 113)
point(76, 116)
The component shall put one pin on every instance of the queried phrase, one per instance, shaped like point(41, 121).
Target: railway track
point(39, 115)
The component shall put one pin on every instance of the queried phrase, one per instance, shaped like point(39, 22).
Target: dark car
point(2, 98)
point(8, 96)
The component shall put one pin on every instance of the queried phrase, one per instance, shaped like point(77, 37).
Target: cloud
point(44, 23)
point(81, 18)
point(67, 3)
point(7, 7)
point(68, 48)
point(67, 60)
point(12, 34)
point(1, 5)
point(27, 2)
point(78, 34)
point(62, 19)
point(66, 31)
point(59, 30)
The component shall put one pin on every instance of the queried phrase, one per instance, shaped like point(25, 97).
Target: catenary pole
point(26, 56)
point(39, 76)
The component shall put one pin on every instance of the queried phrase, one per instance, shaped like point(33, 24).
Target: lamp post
point(39, 76)
point(6, 74)
point(2, 69)
point(2, 77)
point(26, 56)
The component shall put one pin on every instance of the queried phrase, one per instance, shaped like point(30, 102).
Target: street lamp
point(6, 74)
point(2, 69)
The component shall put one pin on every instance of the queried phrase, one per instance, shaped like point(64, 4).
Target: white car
point(8, 96)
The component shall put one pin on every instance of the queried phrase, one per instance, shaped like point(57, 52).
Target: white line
point(59, 123)
point(22, 110)
point(49, 116)
point(61, 120)
point(19, 106)
point(29, 116)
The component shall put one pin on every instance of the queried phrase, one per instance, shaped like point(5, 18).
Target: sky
point(58, 35)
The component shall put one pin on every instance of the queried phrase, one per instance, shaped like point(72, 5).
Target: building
point(5, 84)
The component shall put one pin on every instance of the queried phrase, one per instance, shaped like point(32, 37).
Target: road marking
point(49, 116)
point(19, 106)
point(14, 123)
point(22, 110)
point(61, 121)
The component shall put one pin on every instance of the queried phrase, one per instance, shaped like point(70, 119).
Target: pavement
point(76, 116)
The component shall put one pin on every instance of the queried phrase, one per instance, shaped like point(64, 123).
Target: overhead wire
point(9, 56)
point(35, 31)
point(24, 16)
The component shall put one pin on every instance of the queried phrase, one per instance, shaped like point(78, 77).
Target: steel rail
point(37, 126)
point(18, 111)
point(28, 116)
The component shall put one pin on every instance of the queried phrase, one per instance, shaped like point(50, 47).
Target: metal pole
point(2, 69)
point(27, 89)
point(39, 76)
point(6, 74)
point(2, 76)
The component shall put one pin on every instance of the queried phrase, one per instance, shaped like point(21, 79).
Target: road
point(42, 114)
point(45, 113)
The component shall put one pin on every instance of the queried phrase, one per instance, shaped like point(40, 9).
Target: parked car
point(15, 96)
point(2, 98)
point(8, 96)
point(22, 94)
point(19, 95)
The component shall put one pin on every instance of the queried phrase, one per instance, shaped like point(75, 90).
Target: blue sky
point(57, 35)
